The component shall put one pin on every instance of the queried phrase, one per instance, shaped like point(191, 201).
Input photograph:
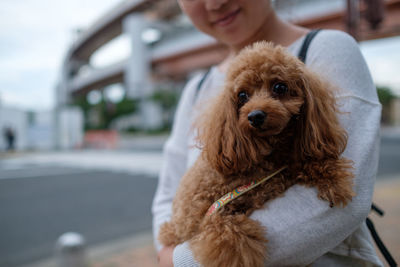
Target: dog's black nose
point(256, 118)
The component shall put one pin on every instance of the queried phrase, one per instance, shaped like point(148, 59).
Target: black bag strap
point(200, 84)
point(378, 241)
point(306, 43)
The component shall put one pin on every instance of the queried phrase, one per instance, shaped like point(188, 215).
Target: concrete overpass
point(100, 33)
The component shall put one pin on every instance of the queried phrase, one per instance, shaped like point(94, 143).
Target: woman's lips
point(226, 20)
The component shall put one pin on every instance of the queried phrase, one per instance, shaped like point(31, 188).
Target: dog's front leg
point(231, 240)
point(333, 179)
point(168, 235)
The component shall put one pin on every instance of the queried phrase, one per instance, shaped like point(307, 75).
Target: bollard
point(70, 250)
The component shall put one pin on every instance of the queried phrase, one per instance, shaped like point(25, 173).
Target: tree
point(107, 110)
point(168, 100)
point(385, 95)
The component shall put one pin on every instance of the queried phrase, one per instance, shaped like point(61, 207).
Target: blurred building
point(15, 120)
point(68, 128)
point(40, 130)
point(165, 48)
point(30, 130)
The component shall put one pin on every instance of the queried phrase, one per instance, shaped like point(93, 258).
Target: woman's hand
point(165, 257)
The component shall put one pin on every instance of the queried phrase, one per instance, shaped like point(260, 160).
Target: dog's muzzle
point(257, 118)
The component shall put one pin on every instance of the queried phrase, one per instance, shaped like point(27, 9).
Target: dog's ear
point(219, 134)
point(321, 135)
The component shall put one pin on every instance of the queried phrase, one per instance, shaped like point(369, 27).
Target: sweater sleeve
point(174, 159)
point(300, 227)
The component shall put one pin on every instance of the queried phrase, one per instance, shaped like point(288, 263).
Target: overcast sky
point(35, 35)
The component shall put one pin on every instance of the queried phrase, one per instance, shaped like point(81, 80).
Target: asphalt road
point(41, 203)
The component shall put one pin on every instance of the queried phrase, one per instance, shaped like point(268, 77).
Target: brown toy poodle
point(272, 112)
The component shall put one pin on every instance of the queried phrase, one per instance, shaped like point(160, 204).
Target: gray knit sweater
point(302, 229)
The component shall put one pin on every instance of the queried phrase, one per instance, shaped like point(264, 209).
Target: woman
point(302, 229)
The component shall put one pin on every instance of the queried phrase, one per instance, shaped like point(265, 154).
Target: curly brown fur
point(272, 112)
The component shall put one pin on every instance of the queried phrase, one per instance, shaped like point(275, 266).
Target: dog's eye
point(280, 88)
point(243, 97)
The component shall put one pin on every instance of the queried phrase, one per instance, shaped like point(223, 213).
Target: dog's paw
point(233, 240)
point(337, 193)
point(167, 235)
point(336, 199)
point(333, 178)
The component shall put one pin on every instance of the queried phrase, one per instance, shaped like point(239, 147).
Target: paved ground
point(143, 159)
point(138, 250)
point(39, 204)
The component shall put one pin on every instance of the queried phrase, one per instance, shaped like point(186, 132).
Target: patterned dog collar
point(237, 192)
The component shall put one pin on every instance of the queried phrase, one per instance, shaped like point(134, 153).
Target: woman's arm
point(174, 159)
point(300, 227)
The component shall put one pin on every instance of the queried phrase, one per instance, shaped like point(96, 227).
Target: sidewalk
point(134, 252)
point(134, 162)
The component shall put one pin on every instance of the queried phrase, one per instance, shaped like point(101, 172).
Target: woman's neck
point(273, 30)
